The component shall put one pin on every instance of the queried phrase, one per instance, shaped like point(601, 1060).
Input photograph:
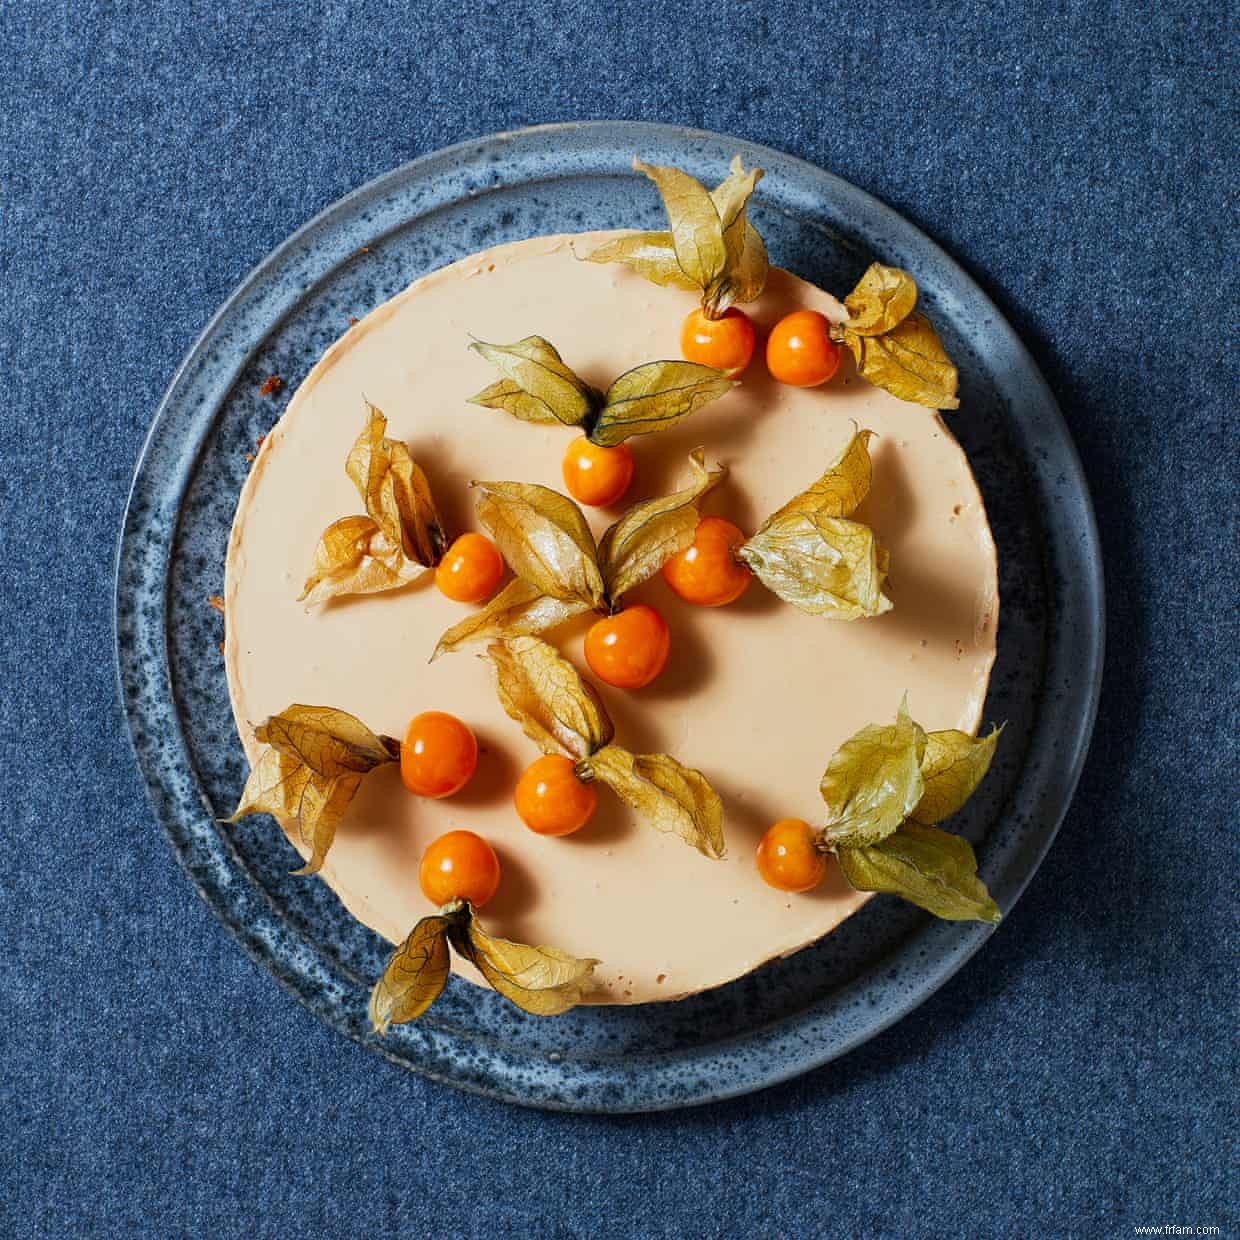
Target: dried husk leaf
point(841, 488)
point(544, 538)
point(654, 396)
point(669, 796)
point(545, 694)
point(696, 229)
point(746, 265)
point(537, 385)
point(396, 493)
point(909, 361)
point(731, 196)
point(826, 566)
point(543, 981)
point(929, 867)
point(650, 254)
point(649, 534)
point(401, 534)
point(354, 556)
point(326, 739)
point(415, 976)
point(314, 759)
point(408, 504)
point(746, 272)
point(711, 245)
point(518, 609)
point(884, 297)
point(298, 798)
point(512, 398)
point(873, 782)
point(952, 767)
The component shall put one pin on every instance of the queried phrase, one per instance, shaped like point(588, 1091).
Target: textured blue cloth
point(1078, 1077)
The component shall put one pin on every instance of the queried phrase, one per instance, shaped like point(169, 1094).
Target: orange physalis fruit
point(470, 569)
point(800, 351)
point(725, 343)
point(459, 866)
point(597, 476)
point(789, 858)
point(438, 755)
point(707, 572)
point(551, 800)
point(629, 649)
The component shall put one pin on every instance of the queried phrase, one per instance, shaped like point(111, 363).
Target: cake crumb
point(956, 511)
point(271, 385)
point(354, 320)
point(660, 979)
point(959, 647)
point(221, 647)
point(216, 601)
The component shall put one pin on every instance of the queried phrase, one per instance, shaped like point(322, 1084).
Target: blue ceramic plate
point(791, 1015)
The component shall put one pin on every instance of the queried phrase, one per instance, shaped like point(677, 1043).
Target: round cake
point(757, 695)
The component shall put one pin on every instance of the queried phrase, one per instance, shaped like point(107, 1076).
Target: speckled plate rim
point(763, 1056)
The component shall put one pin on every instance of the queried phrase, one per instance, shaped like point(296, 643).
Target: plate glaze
point(788, 1016)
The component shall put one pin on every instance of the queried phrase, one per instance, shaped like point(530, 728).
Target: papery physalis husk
point(312, 761)
point(928, 867)
point(559, 711)
point(873, 781)
point(670, 797)
point(538, 387)
point(400, 536)
point(517, 610)
point(544, 693)
point(544, 537)
point(636, 546)
point(894, 347)
point(416, 973)
point(710, 244)
point(543, 981)
point(884, 789)
point(813, 555)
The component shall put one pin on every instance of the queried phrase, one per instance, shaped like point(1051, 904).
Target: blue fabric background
point(1078, 1077)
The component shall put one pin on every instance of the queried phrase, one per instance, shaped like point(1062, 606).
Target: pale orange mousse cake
point(757, 695)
